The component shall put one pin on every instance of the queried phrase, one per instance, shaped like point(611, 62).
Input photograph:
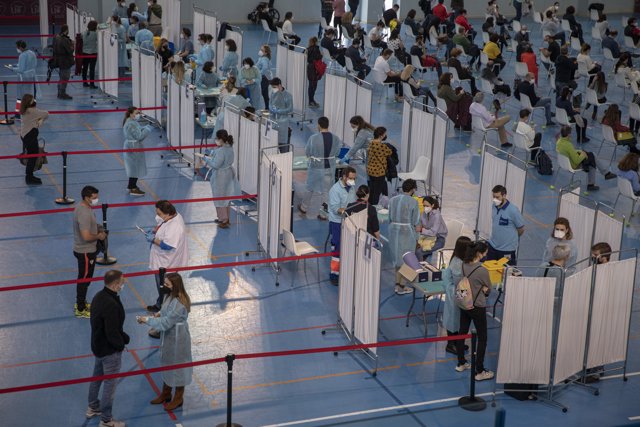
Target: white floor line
point(634, 418)
point(373, 411)
point(629, 374)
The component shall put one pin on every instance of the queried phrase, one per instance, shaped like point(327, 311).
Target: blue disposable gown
point(26, 72)
point(175, 341)
point(281, 106)
point(208, 81)
point(264, 65)
point(229, 65)
point(450, 278)
point(120, 31)
point(236, 101)
point(224, 181)
point(319, 178)
point(404, 215)
point(134, 162)
point(144, 39)
point(254, 91)
point(362, 141)
point(206, 54)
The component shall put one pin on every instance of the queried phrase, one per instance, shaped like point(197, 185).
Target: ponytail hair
point(224, 136)
point(473, 249)
point(128, 113)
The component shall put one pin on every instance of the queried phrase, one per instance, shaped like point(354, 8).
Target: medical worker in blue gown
point(322, 150)
point(26, 69)
point(404, 217)
point(206, 53)
point(280, 107)
point(135, 163)
point(238, 101)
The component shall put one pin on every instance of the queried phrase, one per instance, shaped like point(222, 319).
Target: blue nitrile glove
point(150, 237)
point(150, 231)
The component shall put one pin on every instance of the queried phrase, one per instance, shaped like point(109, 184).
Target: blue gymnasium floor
point(240, 311)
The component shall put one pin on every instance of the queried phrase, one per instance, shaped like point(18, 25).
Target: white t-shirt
point(287, 27)
point(380, 69)
point(173, 234)
point(527, 131)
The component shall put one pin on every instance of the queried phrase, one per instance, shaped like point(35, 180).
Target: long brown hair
point(267, 50)
point(612, 115)
point(178, 291)
point(445, 79)
point(128, 114)
point(361, 123)
point(629, 162)
point(563, 221)
point(26, 102)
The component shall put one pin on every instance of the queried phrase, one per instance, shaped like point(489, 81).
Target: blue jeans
point(426, 255)
point(103, 366)
point(546, 103)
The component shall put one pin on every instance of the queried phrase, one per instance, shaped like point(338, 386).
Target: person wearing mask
point(108, 340)
point(341, 194)
point(528, 87)
point(322, 149)
point(362, 203)
point(133, 12)
point(359, 63)
point(377, 155)
point(376, 35)
point(32, 119)
point(249, 79)
point(576, 27)
point(564, 102)
point(589, 64)
point(493, 52)
point(186, 45)
point(287, 29)
point(118, 29)
point(531, 138)
point(120, 9)
point(169, 248)
point(224, 180)
point(582, 159)
point(566, 68)
point(164, 53)
point(338, 13)
point(507, 225)
point(420, 50)
point(462, 21)
point(480, 282)
point(390, 15)
point(205, 54)
point(551, 52)
point(133, 28)
point(529, 58)
point(134, 162)
point(404, 220)
point(326, 12)
point(172, 322)
point(628, 168)
point(335, 52)
point(458, 103)
point(461, 38)
point(230, 60)
point(314, 56)
point(264, 66)
point(432, 227)
point(552, 11)
point(208, 79)
point(499, 86)
point(552, 27)
point(410, 21)
point(363, 134)
point(63, 59)
point(599, 85)
point(621, 133)
point(90, 48)
point(561, 235)
point(382, 73)
point(86, 233)
point(522, 36)
point(557, 262)
point(464, 73)
point(154, 17)
point(490, 121)
point(452, 276)
point(416, 89)
point(144, 38)
point(26, 68)
point(236, 98)
point(281, 107)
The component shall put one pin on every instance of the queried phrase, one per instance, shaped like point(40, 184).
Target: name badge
point(503, 221)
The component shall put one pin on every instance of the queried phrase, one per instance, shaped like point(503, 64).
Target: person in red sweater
point(440, 10)
point(529, 58)
point(462, 20)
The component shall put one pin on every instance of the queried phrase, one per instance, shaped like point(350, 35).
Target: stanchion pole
point(7, 120)
point(472, 402)
point(229, 359)
point(501, 417)
point(64, 200)
point(105, 259)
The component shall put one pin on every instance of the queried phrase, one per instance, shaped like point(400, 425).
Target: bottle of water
point(203, 117)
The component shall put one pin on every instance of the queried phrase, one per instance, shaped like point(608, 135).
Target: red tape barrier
point(138, 372)
point(113, 110)
point(49, 82)
point(112, 151)
point(127, 205)
point(169, 270)
point(49, 57)
point(25, 36)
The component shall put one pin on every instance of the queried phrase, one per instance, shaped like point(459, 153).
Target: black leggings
point(311, 90)
point(398, 84)
point(89, 64)
point(377, 186)
point(30, 145)
point(479, 317)
point(86, 265)
point(264, 85)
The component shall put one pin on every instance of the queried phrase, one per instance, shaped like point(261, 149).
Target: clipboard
point(141, 229)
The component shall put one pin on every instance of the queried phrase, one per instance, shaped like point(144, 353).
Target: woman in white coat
point(175, 344)
point(224, 181)
point(134, 162)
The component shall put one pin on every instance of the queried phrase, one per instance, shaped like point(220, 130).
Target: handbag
point(42, 160)
point(320, 68)
point(624, 136)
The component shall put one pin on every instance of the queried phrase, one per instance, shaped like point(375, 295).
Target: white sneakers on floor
point(462, 368)
point(484, 375)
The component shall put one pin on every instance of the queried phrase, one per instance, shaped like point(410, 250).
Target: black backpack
point(544, 166)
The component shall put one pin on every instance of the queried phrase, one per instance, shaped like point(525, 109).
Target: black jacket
point(63, 51)
point(565, 68)
point(528, 89)
point(107, 319)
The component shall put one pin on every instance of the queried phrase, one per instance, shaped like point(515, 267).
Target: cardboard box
point(427, 274)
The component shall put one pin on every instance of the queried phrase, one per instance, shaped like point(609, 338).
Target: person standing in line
point(264, 66)
point(377, 155)
point(32, 119)
point(480, 282)
point(172, 322)
point(63, 59)
point(108, 340)
point(353, 6)
point(154, 17)
point(86, 233)
point(341, 194)
point(135, 163)
point(322, 149)
point(404, 218)
point(451, 312)
point(26, 69)
point(90, 48)
point(281, 106)
point(326, 12)
point(506, 229)
point(313, 55)
point(338, 13)
point(168, 247)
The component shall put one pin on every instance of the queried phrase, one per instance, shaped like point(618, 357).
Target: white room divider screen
point(204, 22)
point(367, 289)
point(171, 20)
point(233, 33)
point(108, 62)
point(146, 82)
point(180, 118)
point(582, 220)
point(43, 11)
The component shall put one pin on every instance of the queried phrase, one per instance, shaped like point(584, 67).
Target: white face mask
point(123, 4)
point(149, 3)
point(354, 130)
point(351, 182)
point(182, 36)
point(532, 81)
point(246, 66)
point(427, 209)
point(497, 202)
point(260, 53)
point(158, 219)
point(559, 234)
point(275, 90)
point(19, 51)
point(94, 202)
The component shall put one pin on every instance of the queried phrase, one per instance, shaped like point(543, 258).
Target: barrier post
point(472, 402)
point(229, 359)
point(7, 120)
point(501, 417)
point(105, 259)
point(64, 200)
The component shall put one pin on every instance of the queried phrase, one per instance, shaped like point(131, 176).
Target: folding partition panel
point(582, 219)
point(108, 62)
point(611, 312)
point(204, 22)
point(146, 83)
point(367, 290)
point(350, 98)
point(364, 100)
point(405, 137)
point(180, 118)
point(297, 79)
point(263, 203)
point(421, 136)
point(231, 124)
point(171, 20)
point(282, 56)
point(248, 141)
point(527, 328)
point(43, 11)
point(335, 87)
point(173, 112)
point(72, 21)
point(348, 243)
point(438, 154)
point(274, 211)
point(284, 163)
point(608, 230)
point(572, 330)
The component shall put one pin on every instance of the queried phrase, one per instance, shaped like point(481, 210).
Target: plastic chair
point(478, 125)
point(420, 172)
point(608, 56)
point(592, 98)
point(454, 231)
point(526, 103)
point(485, 37)
point(407, 92)
point(281, 36)
point(327, 57)
point(562, 118)
point(441, 104)
point(595, 35)
point(519, 141)
point(380, 80)
point(516, 26)
point(324, 25)
point(566, 26)
point(417, 64)
point(521, 68)
point(628, 42)
point(575, 44)
point(564, 163)
point(372, 52)
point(634, 111)
point(626, 190)
point(548, 62)
point(456, 78)
point(298, 248)
point(609, 138)
point(348, 65)
point(266, 30)
point(408, 34)
point(621, 82)
point(486, 86)
point(537, 18)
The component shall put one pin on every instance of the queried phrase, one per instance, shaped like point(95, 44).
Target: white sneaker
point(462, 368)
point(92, 412)
point(402, 290)
point(112, 423)
point(484, 375)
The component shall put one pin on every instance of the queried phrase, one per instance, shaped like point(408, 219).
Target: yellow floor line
point(53, 180)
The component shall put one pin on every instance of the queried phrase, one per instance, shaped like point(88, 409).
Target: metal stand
point(229, 359)
point(7, 121)
point(105, 259)
point(472, 402)
point(64, 200)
